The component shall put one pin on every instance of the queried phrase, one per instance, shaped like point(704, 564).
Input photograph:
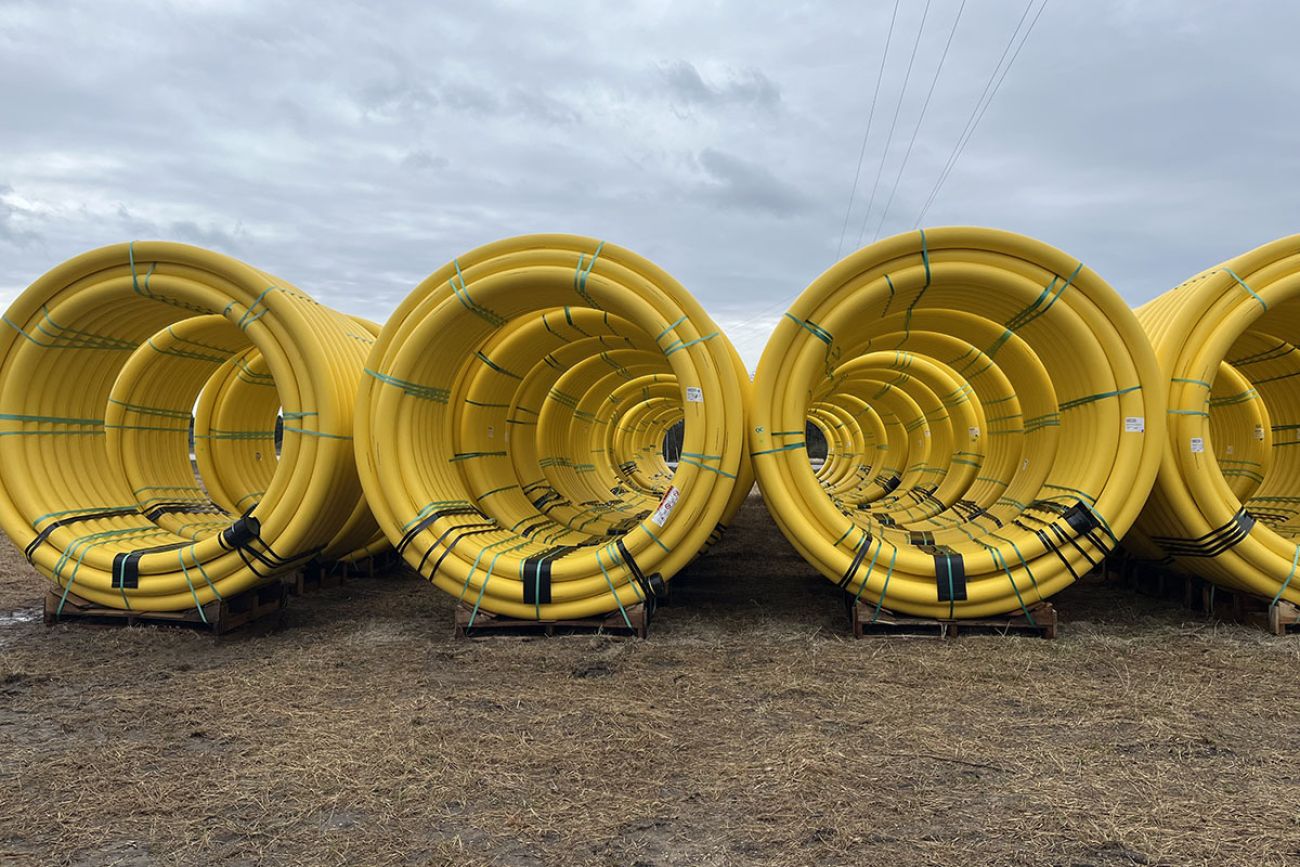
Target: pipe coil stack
point(1226, 504)
point(510, 426)
point(993, 413)
point(995, 418)
point(102, 361)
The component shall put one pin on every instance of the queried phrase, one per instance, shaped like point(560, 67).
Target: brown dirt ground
point(749, 729)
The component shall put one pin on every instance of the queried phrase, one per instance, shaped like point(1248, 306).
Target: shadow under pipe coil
point(100, 362)
point(510, 428)
point(994, 415)
point(1226, 503)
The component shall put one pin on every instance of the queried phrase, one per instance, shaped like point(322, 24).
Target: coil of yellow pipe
point(1227, 497)
point(509, 428)
point(1001, 404)
point(100, 361)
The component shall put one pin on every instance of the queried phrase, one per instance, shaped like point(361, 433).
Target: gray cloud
point(749, 87)
point(353, 153)
point(740, 184)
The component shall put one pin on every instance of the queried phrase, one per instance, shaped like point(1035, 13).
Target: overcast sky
point(353, 151)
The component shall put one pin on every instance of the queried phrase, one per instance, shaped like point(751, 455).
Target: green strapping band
point(49, 419)
point(315, 433)
point(580, 277)
point(670, 328)
point(414, 389)
point(151, 410)
point(498, 368)
point(925, 258)
point(686, 460)
point(672, 349)
point(245, 321)
point(1290, 575)
point(812, 328)
point(462, 294)
point(781, 449)
point(1071, 404)
point(1252, 292)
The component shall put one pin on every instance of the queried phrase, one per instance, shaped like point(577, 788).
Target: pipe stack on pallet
point(996, 420)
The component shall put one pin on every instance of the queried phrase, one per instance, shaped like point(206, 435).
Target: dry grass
point(748, 730)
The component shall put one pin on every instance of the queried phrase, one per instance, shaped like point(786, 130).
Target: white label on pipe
point(1229, 449)
point(665, 507)
point(694, 394)
point(1135, 424)
point(1259, 432)
point(1198, 445)
point(974, 433)
point(492, 432)
point(927, 431)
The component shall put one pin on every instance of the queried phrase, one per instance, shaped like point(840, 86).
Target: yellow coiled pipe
point(1226, 502)
point(100, 361)
point(999, 407)
point(510, 426)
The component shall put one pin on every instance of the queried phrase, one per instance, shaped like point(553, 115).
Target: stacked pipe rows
point(995, 418)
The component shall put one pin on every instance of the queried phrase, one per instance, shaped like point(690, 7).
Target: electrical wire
point(857, 172)
point(889, 138)
point(907, 155)
point(978, 113)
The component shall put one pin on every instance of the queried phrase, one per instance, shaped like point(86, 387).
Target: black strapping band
point(857, 561)
point(950, 576)
point(126, 566)
point(30, 551)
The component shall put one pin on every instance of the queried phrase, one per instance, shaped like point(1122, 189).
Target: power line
point(898, 108)
point(962, 148)
point(975, 109)
point(920, 118)
point(853, 193)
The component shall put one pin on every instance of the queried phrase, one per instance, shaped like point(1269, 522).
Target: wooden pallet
point(867, 623)
point(311, 579)
point(222, 615)
point(1277, 618)
point(1163, 584)
point(487, 624)
point(1197, 594)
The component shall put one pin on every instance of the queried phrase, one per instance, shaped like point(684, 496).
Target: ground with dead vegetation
point(749, 729)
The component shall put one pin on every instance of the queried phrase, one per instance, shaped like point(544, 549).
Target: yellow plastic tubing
point(101, 361)
point(993, 414)
point(509, 432)
point(1227, 497)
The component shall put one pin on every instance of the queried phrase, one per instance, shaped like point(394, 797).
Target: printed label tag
point(926, 431)
point(1135, 424)
point(492, 432)
point(694, 394)
point(974, 433)
point(665, 507)
point(1259, 432)
point(1198, 445)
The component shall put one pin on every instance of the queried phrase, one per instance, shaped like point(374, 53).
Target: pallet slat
point(222, 615)
point(488, 625)
point(1041, 622)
